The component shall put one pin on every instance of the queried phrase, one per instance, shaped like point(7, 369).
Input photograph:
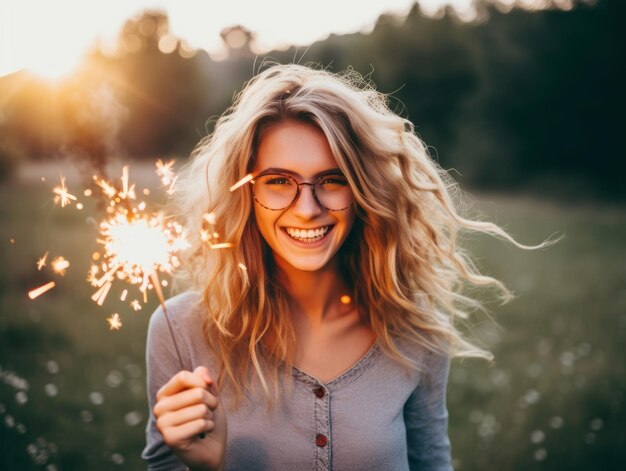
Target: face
point(305, 236)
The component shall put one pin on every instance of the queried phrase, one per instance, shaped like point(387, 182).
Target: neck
point(315, 296)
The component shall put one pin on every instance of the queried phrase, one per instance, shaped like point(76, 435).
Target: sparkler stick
point(157, 289)
point(136, 244)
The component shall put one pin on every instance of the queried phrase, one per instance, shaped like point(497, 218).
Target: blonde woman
point(321, 340)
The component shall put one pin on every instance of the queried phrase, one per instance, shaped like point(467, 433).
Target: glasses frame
point(297, 195)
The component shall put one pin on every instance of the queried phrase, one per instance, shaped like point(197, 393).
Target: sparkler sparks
point(62, 195)
point(115, 322)
point(138, 245)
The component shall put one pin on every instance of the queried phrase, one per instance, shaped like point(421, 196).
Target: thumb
point(203, 373)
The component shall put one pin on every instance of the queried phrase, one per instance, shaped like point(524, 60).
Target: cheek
point(348, 219)
point(264, 222)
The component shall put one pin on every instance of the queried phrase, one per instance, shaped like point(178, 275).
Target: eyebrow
point(330, 171)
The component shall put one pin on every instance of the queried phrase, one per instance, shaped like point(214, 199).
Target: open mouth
point(308, 235)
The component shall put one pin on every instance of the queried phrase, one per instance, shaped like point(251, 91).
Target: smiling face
point(305, 236)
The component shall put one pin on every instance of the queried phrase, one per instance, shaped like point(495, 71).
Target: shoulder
point(184, 312)
point(430, 362)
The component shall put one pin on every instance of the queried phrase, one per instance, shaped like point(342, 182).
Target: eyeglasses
point(276, 191)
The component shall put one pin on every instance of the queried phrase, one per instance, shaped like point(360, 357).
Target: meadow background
point(522, 106)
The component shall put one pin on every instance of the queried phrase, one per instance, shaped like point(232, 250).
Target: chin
point(302, 263)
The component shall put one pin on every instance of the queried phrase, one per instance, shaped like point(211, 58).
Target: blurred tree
point(238, 41)
point(162, 85)
point(514, 97)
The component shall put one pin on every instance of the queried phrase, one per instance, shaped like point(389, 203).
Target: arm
point(182, 405)
point(426, 418)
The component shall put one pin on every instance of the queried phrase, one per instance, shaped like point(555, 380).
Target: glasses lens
point(275, 191)
point(333, 192)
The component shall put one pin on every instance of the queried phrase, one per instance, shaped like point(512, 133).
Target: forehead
point(297, 146)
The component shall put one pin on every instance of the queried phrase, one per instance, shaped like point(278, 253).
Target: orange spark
point(62, 195)
point(242, 182)
point(42, 261)
point(100, 295)
point(222, 245)
point(170, 190)
point(106, 187)
point(135, 305)
point(114, 321)
point(165, 172)
point(59, 265)
point(128, 192)
point(210, 218)
point(32, 294)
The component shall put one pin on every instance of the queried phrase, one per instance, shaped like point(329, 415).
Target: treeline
point(513, 99)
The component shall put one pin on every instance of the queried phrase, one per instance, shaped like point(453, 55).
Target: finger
point(183, 416)
point(184, 399)
point(179, 382)
point(204, 374)
point(177, 436)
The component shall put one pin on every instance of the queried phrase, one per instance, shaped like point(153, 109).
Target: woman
point(329, 325)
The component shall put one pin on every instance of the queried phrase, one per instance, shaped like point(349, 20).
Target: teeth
point(310, 235)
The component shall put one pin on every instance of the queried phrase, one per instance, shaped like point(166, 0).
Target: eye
point(276, 180)
point(333, 180)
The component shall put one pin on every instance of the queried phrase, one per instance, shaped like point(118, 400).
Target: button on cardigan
point(375, 416)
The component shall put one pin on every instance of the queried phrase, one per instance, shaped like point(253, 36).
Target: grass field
point(72, 393)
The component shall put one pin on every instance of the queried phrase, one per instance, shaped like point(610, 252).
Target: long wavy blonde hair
point(402, 258)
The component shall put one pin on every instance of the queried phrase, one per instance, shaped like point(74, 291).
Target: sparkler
point(138, 246)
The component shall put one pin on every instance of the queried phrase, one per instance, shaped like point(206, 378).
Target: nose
point(306, 205)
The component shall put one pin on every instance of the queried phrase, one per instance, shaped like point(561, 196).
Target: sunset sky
point(50, 37)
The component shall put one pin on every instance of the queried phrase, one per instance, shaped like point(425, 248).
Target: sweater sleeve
point(161, 364)
point(426, 418)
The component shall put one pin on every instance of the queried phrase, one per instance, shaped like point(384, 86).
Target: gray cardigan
point(374, 416)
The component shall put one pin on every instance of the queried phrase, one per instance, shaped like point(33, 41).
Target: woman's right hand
point(189, 405)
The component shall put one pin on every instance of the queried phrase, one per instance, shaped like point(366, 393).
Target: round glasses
point(276, 191)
